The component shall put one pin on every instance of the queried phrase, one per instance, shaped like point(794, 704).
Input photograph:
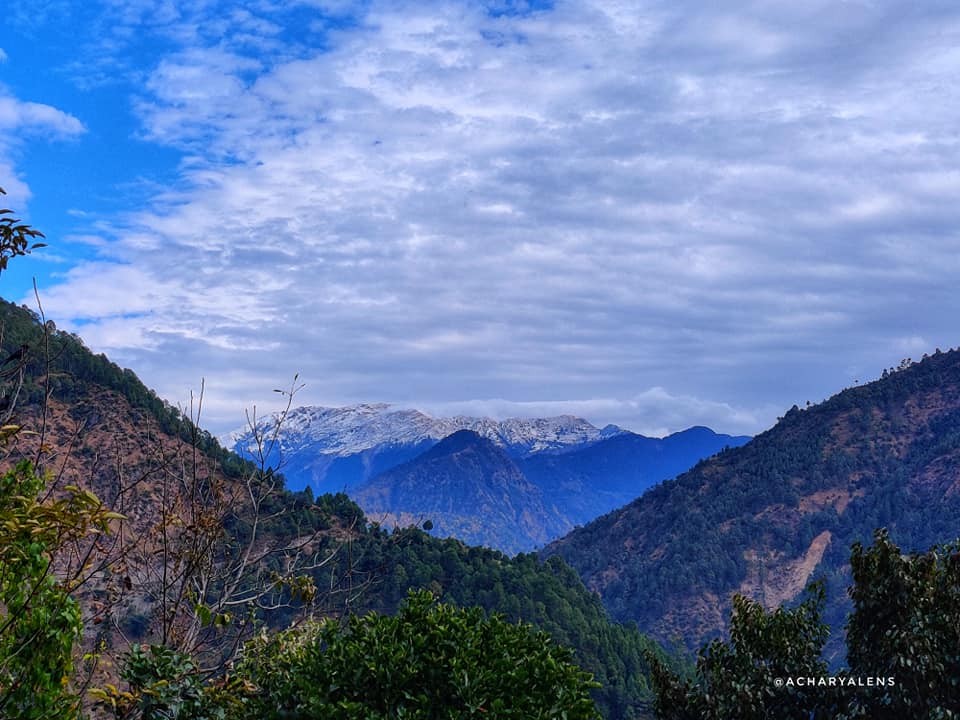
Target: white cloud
point(437, 203)
point(17, 115)
point(16, 190)
point(19, 121)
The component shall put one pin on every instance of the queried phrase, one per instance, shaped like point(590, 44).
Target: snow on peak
point(342, 431)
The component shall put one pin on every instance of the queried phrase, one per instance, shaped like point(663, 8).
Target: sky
point(655, 213)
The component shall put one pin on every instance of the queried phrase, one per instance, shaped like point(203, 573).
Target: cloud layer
point(700, 214)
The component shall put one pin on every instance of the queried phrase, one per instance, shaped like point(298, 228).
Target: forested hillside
point(765, 519)
point(58, 364)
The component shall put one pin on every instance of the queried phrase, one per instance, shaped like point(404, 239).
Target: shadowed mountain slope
point(469, 488)
point(591, 481)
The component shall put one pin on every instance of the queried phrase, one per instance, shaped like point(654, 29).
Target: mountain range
point(762, 519)
point(337, 448)
point(508, 484)
point(467, 487)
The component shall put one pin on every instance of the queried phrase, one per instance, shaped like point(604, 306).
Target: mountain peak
point(461, 440)
point(468, 487)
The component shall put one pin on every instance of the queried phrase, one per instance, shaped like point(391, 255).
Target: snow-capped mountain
point(352, 429)
point(509, 484)
point(333, 448)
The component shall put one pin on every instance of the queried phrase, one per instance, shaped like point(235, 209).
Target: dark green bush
point(428, 662)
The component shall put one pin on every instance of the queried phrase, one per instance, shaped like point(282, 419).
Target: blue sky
point(657, 214)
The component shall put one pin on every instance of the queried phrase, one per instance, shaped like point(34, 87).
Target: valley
point(760, 517)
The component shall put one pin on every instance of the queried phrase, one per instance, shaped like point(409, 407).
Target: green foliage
point(16, 238)
point(736, 679)
point(430, 661)
point(375, 569)
point(547, 594)
point(906, 626)
point(164, 685)
point(39, 621)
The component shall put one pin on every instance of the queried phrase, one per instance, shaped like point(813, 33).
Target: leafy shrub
point(164, 685)
point(39, 621)
point(428, 662)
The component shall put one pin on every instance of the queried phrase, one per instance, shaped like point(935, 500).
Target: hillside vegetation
point(765, 519)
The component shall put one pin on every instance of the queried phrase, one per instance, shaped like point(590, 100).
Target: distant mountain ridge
point(541, 496)
point(608, 474)
point(336, 448)
point(352, 428)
